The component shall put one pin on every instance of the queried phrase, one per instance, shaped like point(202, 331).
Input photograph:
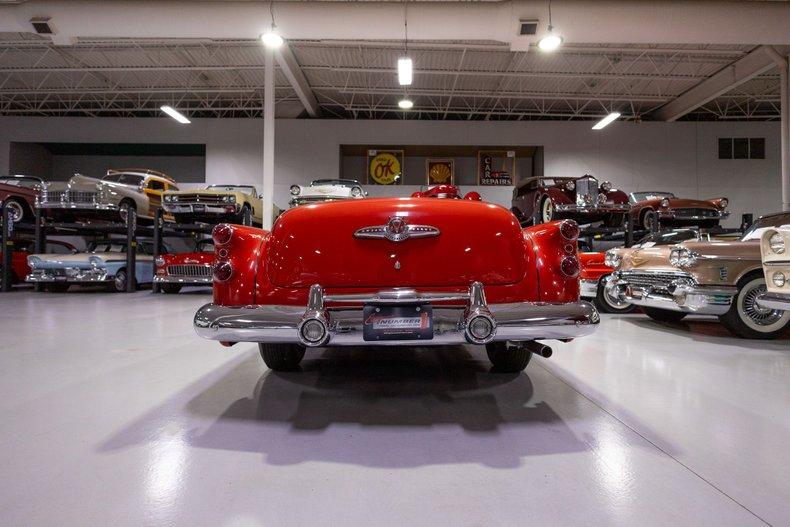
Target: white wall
point(679, 157)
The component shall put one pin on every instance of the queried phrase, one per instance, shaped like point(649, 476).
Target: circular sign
point(385, 169)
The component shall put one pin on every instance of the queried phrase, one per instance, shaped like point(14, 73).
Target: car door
point(154, 190)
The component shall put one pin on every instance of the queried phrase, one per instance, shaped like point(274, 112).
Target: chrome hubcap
point(16, 210)
point(120, 282)
point(760, 316)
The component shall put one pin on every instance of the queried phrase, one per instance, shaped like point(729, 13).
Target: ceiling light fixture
point(175, 114)
point(406, 103)
point(550, 42)
point(405, 66)
point(272, 38)
point(606, 120)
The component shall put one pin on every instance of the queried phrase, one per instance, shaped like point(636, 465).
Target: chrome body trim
point(588, 288)
point(592, 209)
point(185, 280)
point(521, 321)
point(189, 208)
point(396, 230)
point(69, 275)
point(774, 301)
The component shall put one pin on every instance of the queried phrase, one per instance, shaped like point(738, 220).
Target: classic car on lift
point(776, 267)
point(583, 199)
point(22, 249)
point(176, 270)
point(721, 278)
point(113, 197)
point(103, 263)
point(326, 190)
point(368, 273)
point(651, 210)
point(19, 193)
point(215, 203)
point(447, 192)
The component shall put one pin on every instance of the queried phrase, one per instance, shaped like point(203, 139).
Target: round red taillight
point(570, 266)
point(569, 229)
point(222, 234)
point(222, 271)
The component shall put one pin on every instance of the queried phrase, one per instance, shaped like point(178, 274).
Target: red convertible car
point(657, 209)
point(397, 271)
point(19, 193)
point(446, 191)
point(175, 270)
point(24, 248)
point(583, 199)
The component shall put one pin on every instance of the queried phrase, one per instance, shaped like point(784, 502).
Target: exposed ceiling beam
point(755, 63)
point(290, 68)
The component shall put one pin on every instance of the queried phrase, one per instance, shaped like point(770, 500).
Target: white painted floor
point(114, 413)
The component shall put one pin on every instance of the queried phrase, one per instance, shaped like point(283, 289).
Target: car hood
point(204, 192)
point(657, 258)
point(326, 190)
point(189, 259)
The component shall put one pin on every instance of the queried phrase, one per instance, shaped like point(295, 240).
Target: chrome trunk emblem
point(397, 230)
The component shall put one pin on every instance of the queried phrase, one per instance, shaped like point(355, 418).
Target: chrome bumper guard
point(69, 275)
point(681, 295)
point(774, 301)
point(588, 288)
point(184, 280)
point(189, 208)
point(475, 321)
point(75, 205)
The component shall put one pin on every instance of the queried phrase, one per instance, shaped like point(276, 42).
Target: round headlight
point(295, 190)
point(777, 243)
point(570, 185)
point(232, 199)
point(612, 259)
point(665, 202)
point(356, 192)
point(168, 198)
point(225, 198)
point(778, 279)
point(606, 186)
point(723, 203)
point(159, 261)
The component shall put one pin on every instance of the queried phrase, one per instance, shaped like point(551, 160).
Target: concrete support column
point(268, 140)
point(784, 75)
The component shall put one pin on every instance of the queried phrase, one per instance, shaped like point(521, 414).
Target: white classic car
point(774, 244)
point(326, 190)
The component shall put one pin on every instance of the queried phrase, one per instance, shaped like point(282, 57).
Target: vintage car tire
point(647, 219)
point(664, 315)
point(245, 216)
point(57, 288)
point(124, 208)
point(507, 359)
point(281, 357)
point(118, 284)
point(605, 304)
point(19, 209)
point(742, 318)
point(171, 289)
point(546, 210)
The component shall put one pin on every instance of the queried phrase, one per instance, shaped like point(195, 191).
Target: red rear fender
point(243, 253)
point(556, 260)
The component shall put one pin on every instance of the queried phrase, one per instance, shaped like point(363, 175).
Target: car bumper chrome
point(588, 288)
point(343, 320)
point(183, 280)
point(679, 296)
point(189, 208)
point(669, 216)
point(69, 275)
point(592, 209)
point(774, 301)
point(76, 205)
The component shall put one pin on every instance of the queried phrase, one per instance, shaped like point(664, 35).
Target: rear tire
point(747, 320)
point(170, 289)
point(664, 315)
point(281, 357)
point(606, 304)
point(508, 359)
point(649, 218)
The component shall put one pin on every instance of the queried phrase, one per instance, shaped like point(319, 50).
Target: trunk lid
point(315, 244)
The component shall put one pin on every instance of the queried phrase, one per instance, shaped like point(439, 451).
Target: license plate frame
point(397, 322)
point(198, 208)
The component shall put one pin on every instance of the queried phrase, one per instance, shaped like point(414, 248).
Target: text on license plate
point(397, 322)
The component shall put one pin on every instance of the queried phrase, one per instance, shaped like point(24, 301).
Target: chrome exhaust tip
point(479, 323)
point(313, 329)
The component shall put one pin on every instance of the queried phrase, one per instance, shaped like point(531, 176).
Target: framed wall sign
point(496, 167)
point(385, 167)
point(440, 171)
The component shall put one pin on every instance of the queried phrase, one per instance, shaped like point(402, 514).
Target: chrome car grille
point(704, 213)
point(67, 197)
point(191, 271)
point(207, 199)
point(586, 191)
point(658, 281)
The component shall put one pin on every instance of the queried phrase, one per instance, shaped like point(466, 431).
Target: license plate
point(397, 323)
point(199, 208)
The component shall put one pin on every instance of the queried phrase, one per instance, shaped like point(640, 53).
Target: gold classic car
point(718, 277)
point(231, 203)
point(112, 197)
point(776, 266)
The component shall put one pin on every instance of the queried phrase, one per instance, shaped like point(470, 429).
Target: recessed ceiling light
point(272, 39)
point(175, 114)
point(404, 71)
point(606, 120)
point(406, 103)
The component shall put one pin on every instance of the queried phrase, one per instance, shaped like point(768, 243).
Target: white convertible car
point(326, 190)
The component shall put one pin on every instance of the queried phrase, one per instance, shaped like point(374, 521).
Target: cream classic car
point(720, 278)
point(120, 191)
point(326, 190)
point(232, 203)
point(776, 266)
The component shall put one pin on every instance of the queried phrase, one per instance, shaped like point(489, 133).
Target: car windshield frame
point(664, 237)
point(767, 222)
point(244, 189)
point(339, 182)
point(650, 195)
point(16, 181)
point(200, 247)
point(116, 178)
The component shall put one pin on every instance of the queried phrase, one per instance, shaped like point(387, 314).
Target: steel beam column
point(785, 81)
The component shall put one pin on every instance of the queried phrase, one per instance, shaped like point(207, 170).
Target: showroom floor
point(114, 412)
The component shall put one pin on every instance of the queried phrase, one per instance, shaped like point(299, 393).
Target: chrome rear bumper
point(184, 280)
point(343, 322)
point(71, 275)
point(679, 296)
point(774, 301)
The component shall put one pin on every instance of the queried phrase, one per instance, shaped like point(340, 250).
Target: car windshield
point(758, 227)
point(668, 237)
point(341, 182)
point(206, 246)
point(125, 179)
point(244, 189)
point(27, 182)
point(107, 247)
point(644, 196)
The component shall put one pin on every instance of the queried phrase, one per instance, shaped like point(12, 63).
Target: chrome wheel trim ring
point(754, 316)
point(120, 281)
point(547, 210)
point(16, 210)
point(612, 302)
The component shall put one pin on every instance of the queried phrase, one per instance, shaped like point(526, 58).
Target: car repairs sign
point(496, 167)
point(397, 322)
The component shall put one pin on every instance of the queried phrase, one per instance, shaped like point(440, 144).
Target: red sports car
point(174, 271)
point(384, 272)
point(19, 194)
point(24, 248)
point(446, 191)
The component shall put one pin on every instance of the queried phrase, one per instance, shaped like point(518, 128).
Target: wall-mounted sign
point(496, 167)
point(440, 171)
point(385, 167)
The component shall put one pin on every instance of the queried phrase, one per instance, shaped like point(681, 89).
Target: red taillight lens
point(569, 229)
point(570, 266)
point(222, 271)
point(222, 234)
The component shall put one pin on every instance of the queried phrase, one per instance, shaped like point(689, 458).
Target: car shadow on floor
point(710, 331)
point(374, 407)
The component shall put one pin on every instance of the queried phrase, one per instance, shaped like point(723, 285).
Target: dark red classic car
point(174, 271)
point(446, 191)
point(397, 271)
point(583, 199)
point(657, 209)
point(24, 248)
point(19, 194)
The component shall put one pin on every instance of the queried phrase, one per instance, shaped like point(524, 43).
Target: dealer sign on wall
point(385, 167)
point(496, 167)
